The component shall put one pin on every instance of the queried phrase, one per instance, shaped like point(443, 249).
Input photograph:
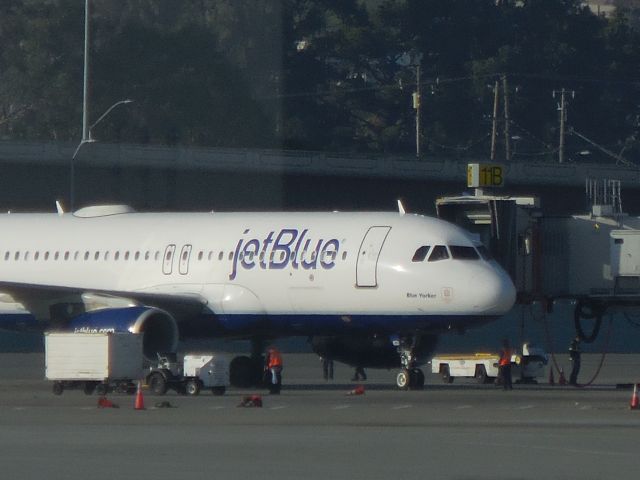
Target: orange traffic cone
point(139, 405)
point(552, 380)
point(635, 404)
point(561, 379)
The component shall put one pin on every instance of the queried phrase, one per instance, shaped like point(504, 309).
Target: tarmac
point(316, 430)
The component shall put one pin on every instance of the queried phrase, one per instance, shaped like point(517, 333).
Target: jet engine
point(369, 351)
point(160, 329)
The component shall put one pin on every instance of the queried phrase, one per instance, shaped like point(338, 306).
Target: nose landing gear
point(410, 376)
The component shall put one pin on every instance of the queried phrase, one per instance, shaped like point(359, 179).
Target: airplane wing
point(45, 301)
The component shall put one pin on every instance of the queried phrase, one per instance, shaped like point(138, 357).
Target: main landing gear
point(410, 376)
point(246, 372)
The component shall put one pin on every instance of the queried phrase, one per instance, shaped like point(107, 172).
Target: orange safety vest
point(275, 359)
point(505, 357)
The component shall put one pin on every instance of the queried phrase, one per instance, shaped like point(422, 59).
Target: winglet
point(401, 210)
point(59, 208)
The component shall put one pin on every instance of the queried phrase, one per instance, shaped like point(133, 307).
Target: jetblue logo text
point(280, 249)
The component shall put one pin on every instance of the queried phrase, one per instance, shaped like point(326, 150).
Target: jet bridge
point(591, 259)
point(507, 226)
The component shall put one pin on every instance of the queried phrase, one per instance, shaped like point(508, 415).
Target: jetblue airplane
point(368, 289)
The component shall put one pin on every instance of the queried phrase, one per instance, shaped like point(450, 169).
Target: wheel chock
point(103, 402)
point(251, 401)
point(359, 390)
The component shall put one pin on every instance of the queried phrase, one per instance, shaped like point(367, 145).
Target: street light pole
point(85, 89)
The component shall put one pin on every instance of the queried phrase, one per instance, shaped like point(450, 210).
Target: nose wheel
point(410, 377)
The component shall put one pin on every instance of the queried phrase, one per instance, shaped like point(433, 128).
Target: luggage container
point(93, 361)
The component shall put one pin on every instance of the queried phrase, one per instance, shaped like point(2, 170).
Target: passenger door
point(185, 255)
point(366, 267)
point(167, 263)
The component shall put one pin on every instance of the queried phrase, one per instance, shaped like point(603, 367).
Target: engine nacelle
point(159, 328)
point(369, 352)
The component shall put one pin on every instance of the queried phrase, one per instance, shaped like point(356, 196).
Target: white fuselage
point(254, 264)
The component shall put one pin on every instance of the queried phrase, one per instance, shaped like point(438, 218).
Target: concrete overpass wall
point(34, 175)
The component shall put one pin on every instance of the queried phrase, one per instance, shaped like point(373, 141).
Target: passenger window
point(421, 253)
point(463, 253)
point(86, 255)
point(36, 256)
point(220, 256)
point(137, 256)
point(66, 255)
point(17, 256)
point(96, 256)
point(439, 252)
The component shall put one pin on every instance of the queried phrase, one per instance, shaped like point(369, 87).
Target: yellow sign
point(485, 175)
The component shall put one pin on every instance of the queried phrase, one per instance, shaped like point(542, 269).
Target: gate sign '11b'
point(485, 175)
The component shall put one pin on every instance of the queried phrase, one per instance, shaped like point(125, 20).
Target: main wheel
point(157, 383)
point(193, 387)
point(245, 372)
point(101, 389)
point(403, 379)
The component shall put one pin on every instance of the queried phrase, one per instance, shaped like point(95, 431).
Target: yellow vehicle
point(483, 367)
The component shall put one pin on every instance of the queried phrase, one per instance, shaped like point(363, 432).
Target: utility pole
point(416, 105)
point(507, 137)
point(562, 108)
point(494, 128)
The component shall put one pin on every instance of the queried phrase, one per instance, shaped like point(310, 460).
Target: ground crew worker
point(273, 365)
point(574, 354)
point(327, 368)
point(504, 365)
point(359, 374)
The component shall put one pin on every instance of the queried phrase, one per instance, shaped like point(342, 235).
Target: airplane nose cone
point(494, 292)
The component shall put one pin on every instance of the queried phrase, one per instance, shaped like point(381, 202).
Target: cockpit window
point(463, 253)
point(439, 252)
point(421, 253)
point(484, 253)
